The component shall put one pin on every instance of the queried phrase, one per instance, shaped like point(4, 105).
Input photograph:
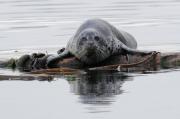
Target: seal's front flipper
point(53, 60)
point(60, 50)
point(127, 50)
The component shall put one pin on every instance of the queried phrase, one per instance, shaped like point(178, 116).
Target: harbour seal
point(95, 41)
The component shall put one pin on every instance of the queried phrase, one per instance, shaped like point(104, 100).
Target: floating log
point(136, 63)
point(62, 70)
point(72, 65)
point(26, 77)
point(118, 62)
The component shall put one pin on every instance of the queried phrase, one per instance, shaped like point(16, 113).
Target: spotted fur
point(95, 41)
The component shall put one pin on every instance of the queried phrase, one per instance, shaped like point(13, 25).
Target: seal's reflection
point(98, 87)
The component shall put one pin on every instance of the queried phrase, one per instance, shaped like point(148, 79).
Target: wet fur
point(92, 51)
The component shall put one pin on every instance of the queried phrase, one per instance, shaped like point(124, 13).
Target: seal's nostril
point(96, 38)
point(90, 44)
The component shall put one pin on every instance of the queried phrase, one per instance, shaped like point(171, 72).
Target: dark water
point(28, 26)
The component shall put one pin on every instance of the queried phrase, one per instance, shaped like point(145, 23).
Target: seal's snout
point(90, 45)
point(90, 49)
point(90, 52)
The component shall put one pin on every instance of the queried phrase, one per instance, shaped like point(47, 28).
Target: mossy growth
point(178, 63)
point(11, 63)
point(70, 78)
point(170, 63)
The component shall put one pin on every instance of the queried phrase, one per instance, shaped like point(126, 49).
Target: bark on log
point(135, 63)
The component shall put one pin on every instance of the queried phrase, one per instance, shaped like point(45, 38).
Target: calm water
point(30, 26)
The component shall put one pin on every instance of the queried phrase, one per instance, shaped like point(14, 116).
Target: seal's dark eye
point(96, 38)
point(83, 38)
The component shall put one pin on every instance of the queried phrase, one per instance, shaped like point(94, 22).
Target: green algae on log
point(170, 60)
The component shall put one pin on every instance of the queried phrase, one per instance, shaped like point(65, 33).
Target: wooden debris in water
point(61, 70)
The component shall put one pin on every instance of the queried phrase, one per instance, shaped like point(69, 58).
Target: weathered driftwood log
point(118, 62)
point(26, 77)
point(151, 62)
point(135, 63)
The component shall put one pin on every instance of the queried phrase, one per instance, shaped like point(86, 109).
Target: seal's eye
point(83, 38)
point(96, 38)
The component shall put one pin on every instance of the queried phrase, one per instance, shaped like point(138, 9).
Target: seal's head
point(92, 46)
